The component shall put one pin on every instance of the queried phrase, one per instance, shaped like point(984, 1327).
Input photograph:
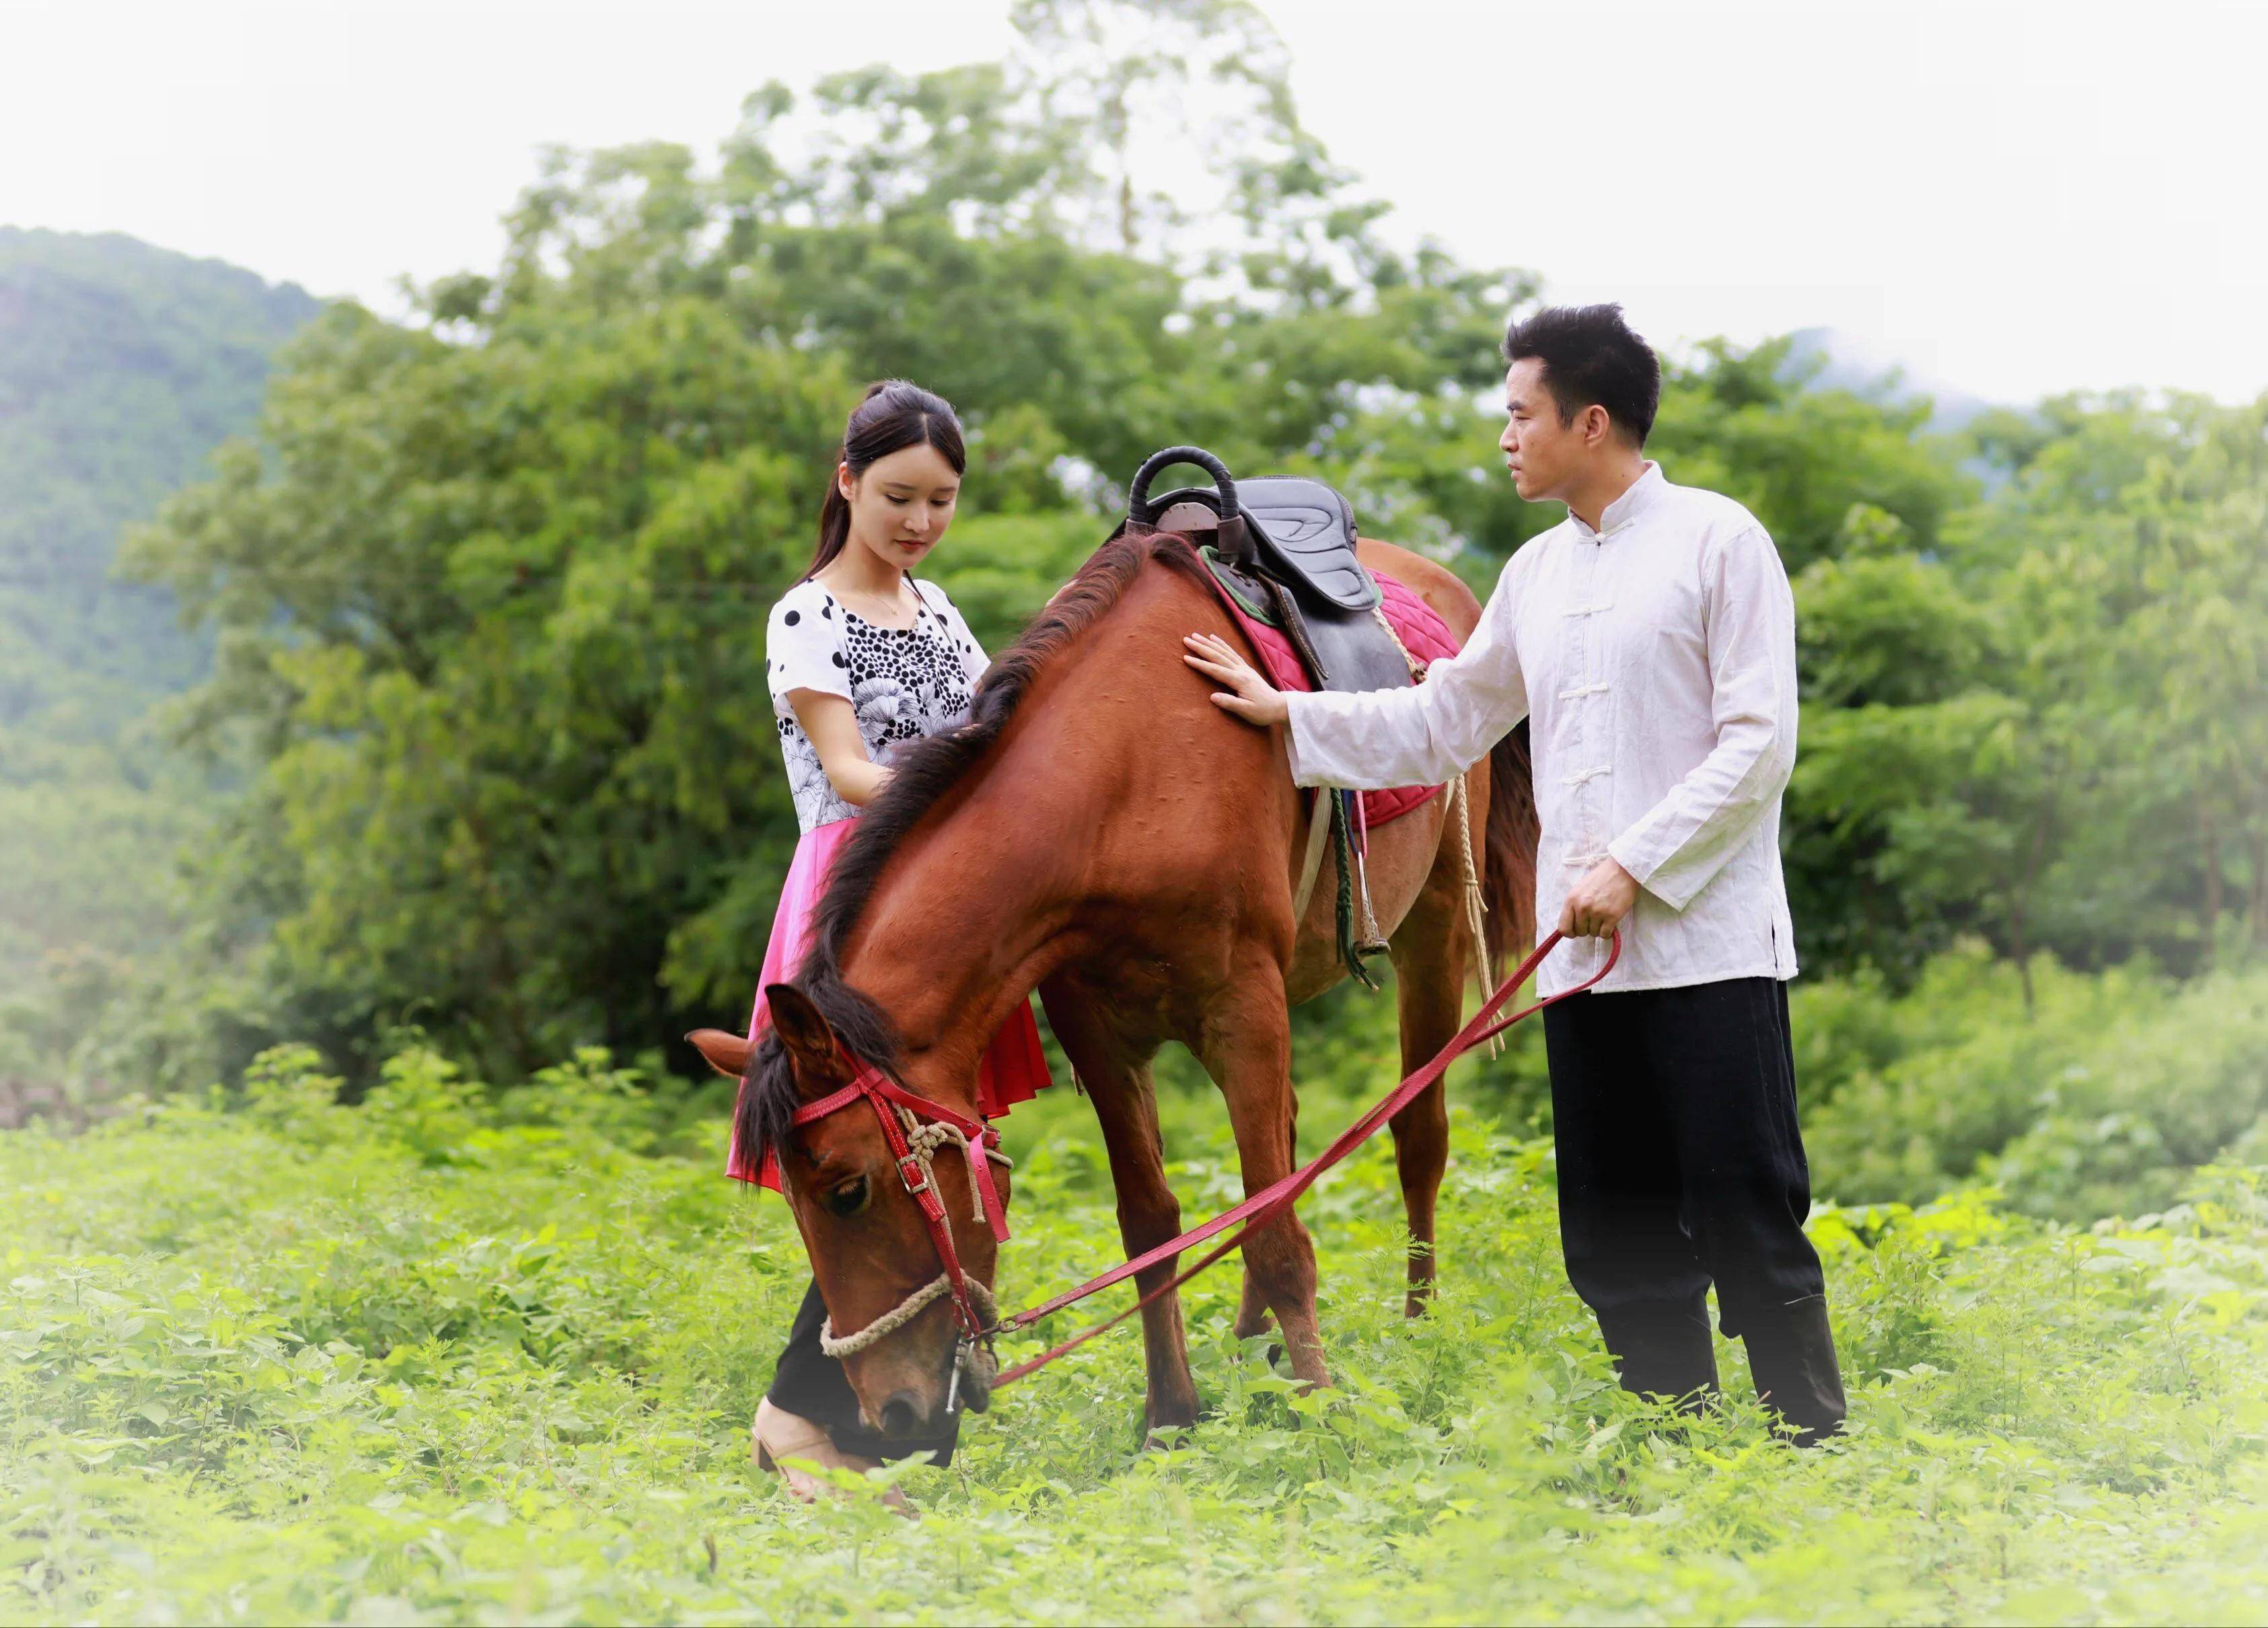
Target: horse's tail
point(1508, 857)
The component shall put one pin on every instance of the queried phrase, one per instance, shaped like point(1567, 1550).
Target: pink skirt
point(1013, 1068)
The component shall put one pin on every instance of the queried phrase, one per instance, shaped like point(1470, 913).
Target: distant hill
point(121, 366)
point(1846, 363)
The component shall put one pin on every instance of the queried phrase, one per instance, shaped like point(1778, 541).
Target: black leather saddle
point(1284, 546)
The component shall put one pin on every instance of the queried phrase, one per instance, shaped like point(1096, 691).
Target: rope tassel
point(1461, 801)
point(925, 1137)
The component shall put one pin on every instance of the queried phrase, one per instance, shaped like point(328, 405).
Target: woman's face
point(901, 504)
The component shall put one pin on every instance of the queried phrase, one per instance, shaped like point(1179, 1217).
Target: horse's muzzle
point(970, 1383)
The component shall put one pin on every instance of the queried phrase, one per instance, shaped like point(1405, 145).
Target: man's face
point(1543, 451)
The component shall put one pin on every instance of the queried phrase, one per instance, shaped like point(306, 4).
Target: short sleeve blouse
point(902, 683)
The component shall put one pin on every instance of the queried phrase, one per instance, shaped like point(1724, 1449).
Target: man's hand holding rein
point(1597, 905)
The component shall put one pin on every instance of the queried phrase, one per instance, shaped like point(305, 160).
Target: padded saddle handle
point(1230, 540)
point(1137, 496)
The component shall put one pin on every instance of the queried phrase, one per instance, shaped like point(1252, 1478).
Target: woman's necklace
point(879, 610)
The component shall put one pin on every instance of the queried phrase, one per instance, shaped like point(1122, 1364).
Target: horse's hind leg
point(1429, 951)
point(1117, 1079)
point(1247, 1049)
point(1251, 1307)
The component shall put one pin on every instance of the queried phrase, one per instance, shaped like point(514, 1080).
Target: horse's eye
point(849, 1198)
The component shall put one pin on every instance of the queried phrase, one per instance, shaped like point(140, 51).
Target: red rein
point(1255, 1211)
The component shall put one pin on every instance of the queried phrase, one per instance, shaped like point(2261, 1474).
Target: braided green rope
point(1342, 852)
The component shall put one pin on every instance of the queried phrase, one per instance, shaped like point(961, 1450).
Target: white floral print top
point(904, 683)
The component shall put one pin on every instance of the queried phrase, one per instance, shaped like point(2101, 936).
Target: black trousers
point(1680, 1162)
point(808, 1381)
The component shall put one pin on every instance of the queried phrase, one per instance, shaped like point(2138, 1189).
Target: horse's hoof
point(1170, 1420)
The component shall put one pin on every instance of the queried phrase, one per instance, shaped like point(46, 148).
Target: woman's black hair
point(892, 415)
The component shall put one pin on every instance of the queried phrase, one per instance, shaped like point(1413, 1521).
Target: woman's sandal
point(778, 1435)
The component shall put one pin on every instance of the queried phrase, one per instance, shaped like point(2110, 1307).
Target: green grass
point(426, 1360)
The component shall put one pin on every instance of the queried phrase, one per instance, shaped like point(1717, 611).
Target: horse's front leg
point(1246, 1048)
point(1126, 1105)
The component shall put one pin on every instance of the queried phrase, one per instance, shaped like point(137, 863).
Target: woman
point(861, 658)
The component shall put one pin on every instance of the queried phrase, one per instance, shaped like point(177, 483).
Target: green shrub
point(2101, 1098)
point(2167, 1089)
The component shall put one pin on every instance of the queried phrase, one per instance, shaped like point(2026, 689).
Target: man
point(1650, 639)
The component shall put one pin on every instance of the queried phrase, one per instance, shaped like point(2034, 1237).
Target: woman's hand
point(1248, 695)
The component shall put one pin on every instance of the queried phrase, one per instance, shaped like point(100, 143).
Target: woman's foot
point(778, 1435)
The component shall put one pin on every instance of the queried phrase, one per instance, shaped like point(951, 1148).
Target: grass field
point(432, 1359)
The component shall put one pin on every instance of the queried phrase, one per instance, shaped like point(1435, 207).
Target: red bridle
point(869, 1085)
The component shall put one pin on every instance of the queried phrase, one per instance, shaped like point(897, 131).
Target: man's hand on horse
point(1245, 692)
point(1596, 905)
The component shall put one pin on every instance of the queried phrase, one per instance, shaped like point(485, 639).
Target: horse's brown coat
point(1124, 847)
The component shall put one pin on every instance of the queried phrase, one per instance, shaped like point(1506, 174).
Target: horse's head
point(863, 1227)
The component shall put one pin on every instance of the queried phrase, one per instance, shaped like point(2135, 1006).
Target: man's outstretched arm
point(1424, 735)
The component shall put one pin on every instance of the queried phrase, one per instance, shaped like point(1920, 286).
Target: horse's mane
point(921, 776)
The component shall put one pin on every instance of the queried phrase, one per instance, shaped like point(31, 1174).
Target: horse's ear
point(727, 1053)
point(808, 1037)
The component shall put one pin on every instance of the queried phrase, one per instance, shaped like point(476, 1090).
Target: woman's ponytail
point(834, 524)
point(892, 415)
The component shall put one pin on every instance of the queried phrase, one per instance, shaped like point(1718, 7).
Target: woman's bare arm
point(833, 728)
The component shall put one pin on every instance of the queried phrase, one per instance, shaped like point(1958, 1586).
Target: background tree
point(2048, 728)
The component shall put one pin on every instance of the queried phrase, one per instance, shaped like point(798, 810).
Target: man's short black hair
point(1591, 359)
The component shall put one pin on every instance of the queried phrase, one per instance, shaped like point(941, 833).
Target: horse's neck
point(969, 913)
point(987, 895)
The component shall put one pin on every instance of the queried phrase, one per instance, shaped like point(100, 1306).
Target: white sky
point(2013, 198)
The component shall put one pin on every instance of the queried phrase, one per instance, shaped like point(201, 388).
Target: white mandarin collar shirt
point(1655, 659)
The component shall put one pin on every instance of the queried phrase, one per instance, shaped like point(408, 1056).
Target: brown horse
point(1099, 831)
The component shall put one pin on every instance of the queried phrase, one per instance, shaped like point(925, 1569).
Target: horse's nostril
point(899, 1416)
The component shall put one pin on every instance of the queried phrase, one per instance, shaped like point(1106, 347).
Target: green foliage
point(2099, 1093)
point(457, 1356)
point(1815, 465)
point(2049, 727)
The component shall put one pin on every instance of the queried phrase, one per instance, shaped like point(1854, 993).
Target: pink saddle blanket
point(1416, 623)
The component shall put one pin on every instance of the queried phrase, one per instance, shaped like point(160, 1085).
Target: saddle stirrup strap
point(1311, 865)
point(1368, 940)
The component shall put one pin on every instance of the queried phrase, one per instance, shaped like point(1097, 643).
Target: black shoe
point(1663, 1350)
point(1791, 1357)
